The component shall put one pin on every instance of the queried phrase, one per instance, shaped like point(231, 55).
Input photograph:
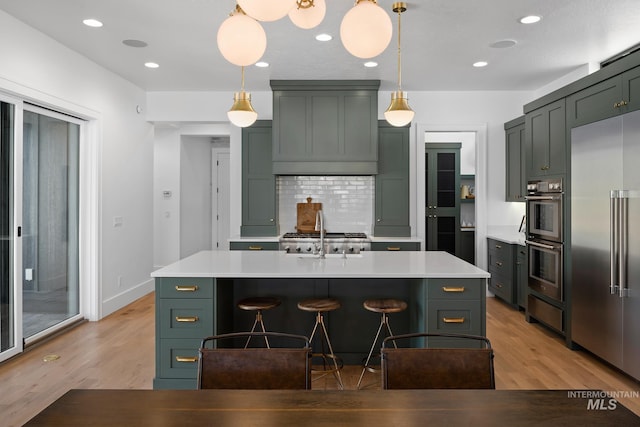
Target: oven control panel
point(545, 186)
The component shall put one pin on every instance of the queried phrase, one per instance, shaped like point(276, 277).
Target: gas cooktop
point(326, 235)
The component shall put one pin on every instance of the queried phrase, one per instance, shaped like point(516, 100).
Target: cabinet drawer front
point(184, 287)
point(498, 264)
point(502, 252)
point(178, 358)
point(395, 246)
point(461, 317)
point(254, 246)
point(455, 289)
point(502, 287)
point(185, 318)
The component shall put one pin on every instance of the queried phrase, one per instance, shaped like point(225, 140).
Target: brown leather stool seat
point(385, 306)
point(320, 306)
point(258, 304)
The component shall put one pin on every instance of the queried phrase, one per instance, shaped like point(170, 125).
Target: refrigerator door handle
point(613, 242)
point(623, 244)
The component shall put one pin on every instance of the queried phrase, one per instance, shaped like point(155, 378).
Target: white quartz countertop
point(506, 234)
point(266, 264)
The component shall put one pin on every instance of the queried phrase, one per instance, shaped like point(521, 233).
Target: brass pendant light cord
point(399, 7)
point(242, 81)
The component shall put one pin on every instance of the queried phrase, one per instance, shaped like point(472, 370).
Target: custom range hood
point(325, 127)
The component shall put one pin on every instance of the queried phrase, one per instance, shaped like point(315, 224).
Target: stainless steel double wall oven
point(545, 237)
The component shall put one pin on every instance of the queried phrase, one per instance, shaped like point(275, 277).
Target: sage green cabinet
point(395, 246)
point(184, 315)
point(325, 127)
point(392, 182)
point(516, 163)
point(259, 208)
point(455, 306)
point(442, 184)
point(614, 96)
point(546, 140)
point(507, 263)
point(522, 275)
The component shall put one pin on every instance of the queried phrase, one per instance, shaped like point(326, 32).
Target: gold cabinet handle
point(255, 248)
point(498, 285)
point(453, 319)
point(453, 288)
point(393, 248)
point(498, 247)
point(187, 359)
point(181, 288)
point(498, 263)
point(187, 319)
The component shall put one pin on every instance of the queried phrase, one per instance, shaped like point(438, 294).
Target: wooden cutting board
point(307, 216)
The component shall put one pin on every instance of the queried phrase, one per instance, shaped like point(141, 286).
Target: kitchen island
point(196, 296)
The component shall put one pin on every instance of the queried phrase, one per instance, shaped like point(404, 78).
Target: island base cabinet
point(189, 309)
point(455, 306)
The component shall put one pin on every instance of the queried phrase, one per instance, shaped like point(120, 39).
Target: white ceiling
point(440, 41)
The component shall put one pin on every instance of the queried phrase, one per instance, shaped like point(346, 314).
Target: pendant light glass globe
point(242, 113)
point(241, 39)
point(267, 10)
point(308, 13)
point(399, 113)
point(366, 30)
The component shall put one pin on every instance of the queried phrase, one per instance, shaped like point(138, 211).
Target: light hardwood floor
point(118, 352)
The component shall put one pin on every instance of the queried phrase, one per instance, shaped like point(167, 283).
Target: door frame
point(418, 176)
point(215, 152)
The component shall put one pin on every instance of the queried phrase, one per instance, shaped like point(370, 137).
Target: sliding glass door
point(50, 216)
point(10, 344)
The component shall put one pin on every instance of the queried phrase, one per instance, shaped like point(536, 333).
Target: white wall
point(170, 138)
point(39, 69)
point(195, 195)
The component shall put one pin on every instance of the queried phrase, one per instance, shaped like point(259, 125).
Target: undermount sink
point(327, 256)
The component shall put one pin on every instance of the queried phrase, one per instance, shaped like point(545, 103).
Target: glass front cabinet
point(442, 185)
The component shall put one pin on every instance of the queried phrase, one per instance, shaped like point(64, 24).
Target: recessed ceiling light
point(262, 64)
point(134, 43)
point(151, 65)
point(371, 64)
point(531, 19)
point(503, 44)
point(92, 23)
point(324, 37)
point(480, 64)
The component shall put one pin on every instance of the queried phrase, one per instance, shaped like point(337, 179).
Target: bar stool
point(320, 306)
point(384, 306)
point(258, 304)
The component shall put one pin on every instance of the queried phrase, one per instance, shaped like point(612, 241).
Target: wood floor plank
point(118, 352)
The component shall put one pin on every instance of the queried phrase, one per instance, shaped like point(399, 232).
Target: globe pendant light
point(399, 113)
point(267, 10)
point(308, 13)
point(241, 39)
point(366, 29)
point(242, 113)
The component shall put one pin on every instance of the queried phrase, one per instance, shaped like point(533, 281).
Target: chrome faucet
point(320, 227)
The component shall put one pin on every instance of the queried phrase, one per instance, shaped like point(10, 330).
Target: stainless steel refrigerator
point(605, 240)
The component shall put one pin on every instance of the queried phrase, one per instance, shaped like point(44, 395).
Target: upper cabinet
point(392, 181)
point(516, 174)
point(545, 137)
point(259, 209)
point(617, 95)
point(325, 127)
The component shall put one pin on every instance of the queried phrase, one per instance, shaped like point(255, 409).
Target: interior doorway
point(477, 160)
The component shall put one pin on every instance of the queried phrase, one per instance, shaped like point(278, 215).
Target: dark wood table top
point(334, 408)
